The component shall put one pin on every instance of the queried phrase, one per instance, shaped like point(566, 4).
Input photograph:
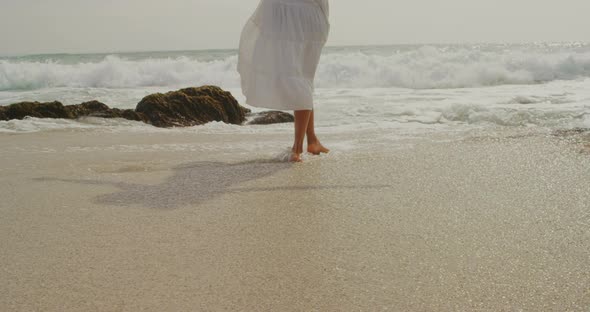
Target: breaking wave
point(425, 67)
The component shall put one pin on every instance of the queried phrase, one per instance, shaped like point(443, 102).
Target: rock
point(191, 106)
point(271, 117)
point(98, 109)
point(182, 108)
point(88, 109)
point(58, 110)
point(130, 114)
point(36, 109)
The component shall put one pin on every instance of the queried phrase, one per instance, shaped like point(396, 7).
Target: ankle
point(297, 149)
point(312, 140)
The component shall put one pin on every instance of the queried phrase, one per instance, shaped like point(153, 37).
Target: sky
point(74, 26)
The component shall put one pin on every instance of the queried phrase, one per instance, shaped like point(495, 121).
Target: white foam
point(33, 124)
point(114, 125)
point(419, 68)
point(116, 72)
point(434, 68)
point(584, 122)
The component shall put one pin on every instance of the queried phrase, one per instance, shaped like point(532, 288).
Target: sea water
point(381, 88)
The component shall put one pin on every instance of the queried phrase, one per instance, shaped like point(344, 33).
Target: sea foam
point(427, 67)
point(116, 72)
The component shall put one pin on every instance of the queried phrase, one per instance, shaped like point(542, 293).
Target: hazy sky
point(42, 26)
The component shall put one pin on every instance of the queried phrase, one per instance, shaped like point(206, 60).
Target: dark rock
point(36, 109)
point(186, 107)
point(58, 110)
point(271, 117)
point(130, 114)
point(98, 109)
point(191, 106)
point(93, 108)
point(2, 114)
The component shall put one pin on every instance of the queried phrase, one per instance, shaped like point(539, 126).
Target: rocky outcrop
point(191, 107)
point(271, 117)
point(58, 110)
point(98, 109)
point(35, 109)
point(182, 108)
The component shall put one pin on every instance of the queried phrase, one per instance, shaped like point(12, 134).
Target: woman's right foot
point(317, 148)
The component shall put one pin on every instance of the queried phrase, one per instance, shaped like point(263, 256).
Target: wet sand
point(101, 222)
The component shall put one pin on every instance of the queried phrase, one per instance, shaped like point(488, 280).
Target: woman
point(280, 49)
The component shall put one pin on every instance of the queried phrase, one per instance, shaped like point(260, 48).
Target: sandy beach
point(487, 221)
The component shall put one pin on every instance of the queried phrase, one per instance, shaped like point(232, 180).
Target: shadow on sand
point(194, 183)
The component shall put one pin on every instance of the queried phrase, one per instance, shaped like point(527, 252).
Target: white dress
point(280, 48)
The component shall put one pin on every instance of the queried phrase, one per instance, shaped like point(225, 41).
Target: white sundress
point(280, 48)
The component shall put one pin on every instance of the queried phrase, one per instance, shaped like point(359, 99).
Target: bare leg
point(301, 124)
point(313, 143)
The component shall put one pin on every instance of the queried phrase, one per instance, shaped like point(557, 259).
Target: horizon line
point(328, 47)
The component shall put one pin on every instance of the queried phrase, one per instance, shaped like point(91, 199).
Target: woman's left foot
point(295, 157)
point(317, 148)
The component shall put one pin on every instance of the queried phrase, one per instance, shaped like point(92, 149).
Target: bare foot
point(295, 156)
point(317, 148)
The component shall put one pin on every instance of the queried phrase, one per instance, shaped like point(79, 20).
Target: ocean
point(409, 88)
